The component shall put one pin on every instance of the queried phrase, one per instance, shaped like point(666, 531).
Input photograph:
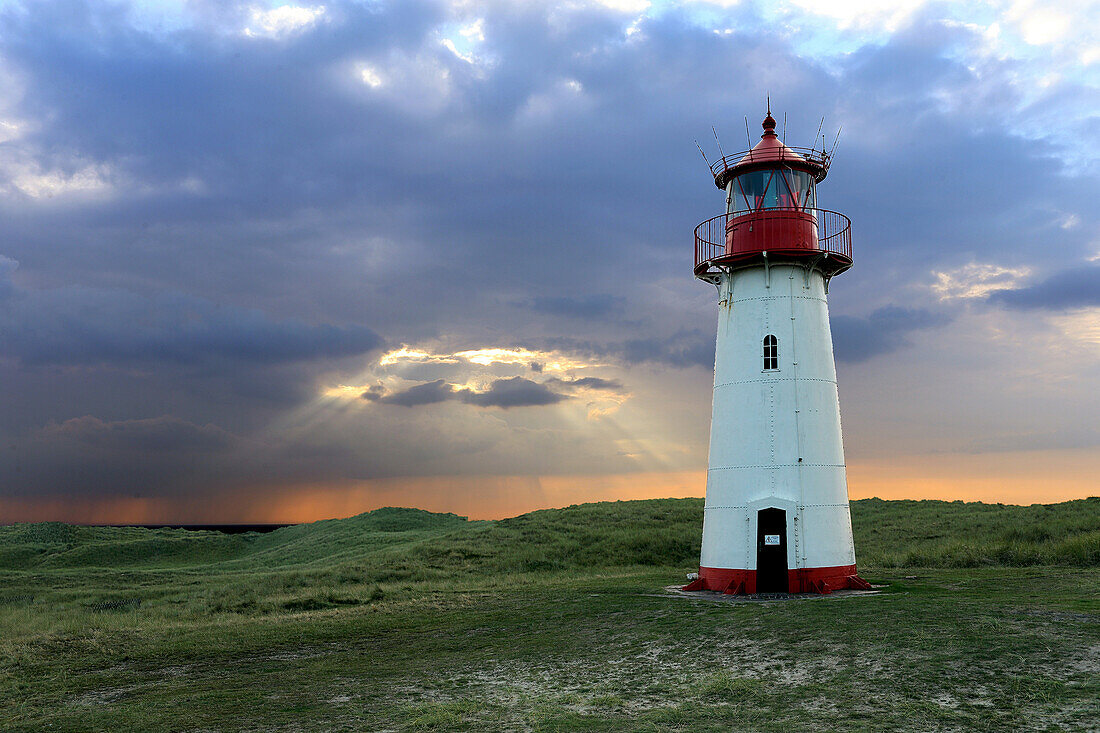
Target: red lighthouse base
point(800, 580)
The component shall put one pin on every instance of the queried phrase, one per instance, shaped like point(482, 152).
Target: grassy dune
point(401, 619)
point(412, 543)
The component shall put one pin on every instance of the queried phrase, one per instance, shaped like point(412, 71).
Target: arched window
point(771, 352)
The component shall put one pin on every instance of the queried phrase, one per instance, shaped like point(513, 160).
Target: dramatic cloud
point(7, 267)
point(590, 306)
point(216, 214)
point(680, 349)
point(884, 330)
point(977, 280)
point(514, 392)
point(87, 326)
point(120, 457)
point(282, 21)
point(421, 394)
point(1076, 287)
point(504, 393)
point(588, 383)
point(154, 435)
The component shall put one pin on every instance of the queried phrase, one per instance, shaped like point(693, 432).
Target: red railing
point(715, 240)
point(818, 158)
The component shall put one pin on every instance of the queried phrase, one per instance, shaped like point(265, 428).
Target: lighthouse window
point(737, 197)
point(754, 186)
point(772, 192)
point(801, 185)
point(771, 352)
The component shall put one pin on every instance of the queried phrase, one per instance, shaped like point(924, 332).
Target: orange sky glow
point(1012, 478)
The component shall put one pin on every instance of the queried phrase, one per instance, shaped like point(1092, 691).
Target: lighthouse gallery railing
point(834, 232)
point(721, 169)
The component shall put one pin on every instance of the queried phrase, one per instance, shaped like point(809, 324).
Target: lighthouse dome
point(771, 152)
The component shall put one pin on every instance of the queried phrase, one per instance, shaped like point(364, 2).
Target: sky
point(275, 262)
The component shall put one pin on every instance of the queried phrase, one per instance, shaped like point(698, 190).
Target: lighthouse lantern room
point(776, 517)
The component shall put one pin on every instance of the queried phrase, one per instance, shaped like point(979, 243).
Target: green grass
point(557, 620)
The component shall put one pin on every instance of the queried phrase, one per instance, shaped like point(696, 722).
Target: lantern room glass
point(772, 189)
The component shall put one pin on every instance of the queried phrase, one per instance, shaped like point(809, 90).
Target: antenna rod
point(718, 141)
point(819, 124)
point(836, 140)
point(784, 125)
point(748, 137)
point(702, 153)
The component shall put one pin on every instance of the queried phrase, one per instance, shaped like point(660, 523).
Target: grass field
point(556, 620)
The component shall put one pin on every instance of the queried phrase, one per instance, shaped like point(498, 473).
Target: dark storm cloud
point(160, 434)
point(883, 331)
point(590, 306)
point(201, 101)
point(514, 392)
point(502, 393)
point(278, 129)
point(681, 349)
point(89, 456)
point(7, 267)
point(86, 326)
point(588, 383)
point(429, 393)
point(1077, 287)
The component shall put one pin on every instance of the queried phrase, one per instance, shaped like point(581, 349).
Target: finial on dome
point(769, 121)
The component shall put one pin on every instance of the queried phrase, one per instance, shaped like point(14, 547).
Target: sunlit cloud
point(862, 14)
point(1042, 23)
point(370, 76)
point(450, 46)
point(10, 130)
point(418, 83)
point(625, 6)
point(553, 361)
point(1082, 326)
point(406, 353)
point(550, 360)
point(1070, 221)
point(32, 180)
point(467, 43)
point(283, 21)
point(474, 31)
point(344, 391)
point(977, 280)
point(538, 378)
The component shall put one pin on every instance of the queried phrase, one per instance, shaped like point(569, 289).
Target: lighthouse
point(776, 517)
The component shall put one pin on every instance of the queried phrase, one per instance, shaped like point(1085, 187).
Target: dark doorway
point(771, 551)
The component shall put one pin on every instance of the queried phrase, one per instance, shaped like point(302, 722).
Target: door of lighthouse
point(771, 551)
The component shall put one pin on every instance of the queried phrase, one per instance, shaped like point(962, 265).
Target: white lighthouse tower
point(776, 516)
